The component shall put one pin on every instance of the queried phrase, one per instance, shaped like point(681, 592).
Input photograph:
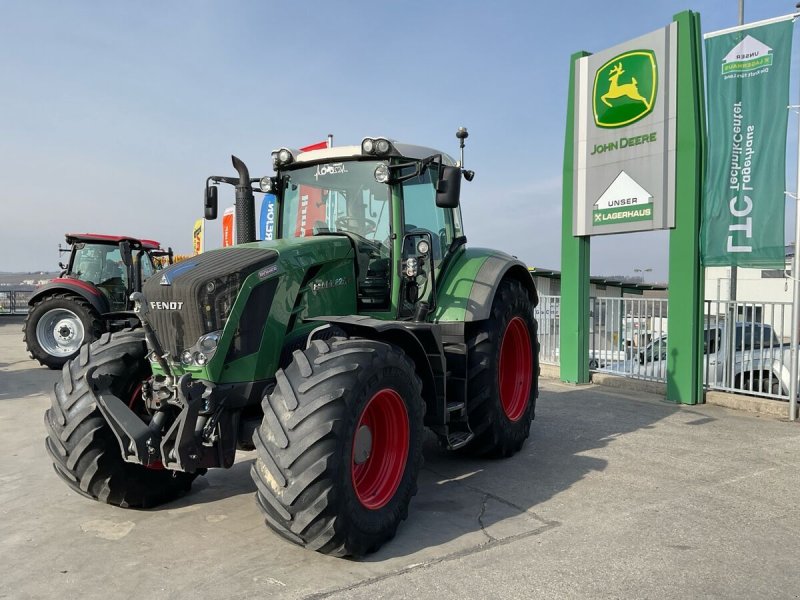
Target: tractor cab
point(115, 265)
point(397, 203)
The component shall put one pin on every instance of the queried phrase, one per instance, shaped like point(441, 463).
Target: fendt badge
point(166, 305)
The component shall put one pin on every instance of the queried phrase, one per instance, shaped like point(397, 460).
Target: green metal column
point(685, 339)
point(574, 309)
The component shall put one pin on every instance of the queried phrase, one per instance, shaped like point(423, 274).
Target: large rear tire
point(503, 374)
point(57, 326)
point(340, 446)
point(84, 450)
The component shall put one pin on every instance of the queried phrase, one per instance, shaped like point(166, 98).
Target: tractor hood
point(197, 296)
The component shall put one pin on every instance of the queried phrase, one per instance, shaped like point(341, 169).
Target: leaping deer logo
point(617, 90)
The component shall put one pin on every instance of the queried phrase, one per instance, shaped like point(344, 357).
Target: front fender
point(467, 291)
point(66, 285)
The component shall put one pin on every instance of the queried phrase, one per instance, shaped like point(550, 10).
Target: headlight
point(382, 146)
point(208, 342)
point(186, 358)
point(382, 173)
point(265, 184)
point(423, 247)
point(199, 354)
point(367, 146)
point(411, 267)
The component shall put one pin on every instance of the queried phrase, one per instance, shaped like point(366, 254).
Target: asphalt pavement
point(615, 495)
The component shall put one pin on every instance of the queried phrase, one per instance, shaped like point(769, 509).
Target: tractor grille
point(207, 285)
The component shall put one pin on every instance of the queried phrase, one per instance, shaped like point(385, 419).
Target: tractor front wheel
point(503, 374)
point(57, 326)
point(340, 446)
point(84, 450)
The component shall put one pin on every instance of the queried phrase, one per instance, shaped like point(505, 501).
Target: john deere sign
point(624, 121)
point(625, 89)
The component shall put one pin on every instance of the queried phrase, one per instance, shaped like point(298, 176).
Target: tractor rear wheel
point(84, 449)
point(57, 326)
point(340, 446)
point(503, 374)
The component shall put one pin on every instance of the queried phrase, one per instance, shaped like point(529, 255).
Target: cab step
point(459, 439)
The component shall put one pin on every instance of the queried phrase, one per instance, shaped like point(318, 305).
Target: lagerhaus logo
point(625, 89)
point(747, 55)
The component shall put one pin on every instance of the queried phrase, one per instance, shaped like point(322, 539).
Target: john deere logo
point(625, 89)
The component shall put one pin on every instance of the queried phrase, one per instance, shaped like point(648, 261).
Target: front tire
point(340, 446)
point(57, 326)
point(84, 450)
point(503, 374)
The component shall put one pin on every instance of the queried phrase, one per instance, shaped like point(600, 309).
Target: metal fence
point(14, 302)
point(547, 313)
point(629, 338)
point(752, 357)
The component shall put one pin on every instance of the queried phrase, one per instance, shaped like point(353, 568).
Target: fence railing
point(628, 337)
point(547, 314)
point(14, 302)
point(752, 357)
point(623, 333)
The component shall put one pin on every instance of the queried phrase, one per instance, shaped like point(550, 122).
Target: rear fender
point(65, 285)
point(471, 281)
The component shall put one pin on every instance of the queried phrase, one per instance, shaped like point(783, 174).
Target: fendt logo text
point(625, 89)
point(166, 305)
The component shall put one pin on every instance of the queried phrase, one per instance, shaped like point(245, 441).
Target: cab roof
point(354, 152)
point(100, 238)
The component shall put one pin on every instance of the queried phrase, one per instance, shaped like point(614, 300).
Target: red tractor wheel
point(503, 374)
point(340, 446)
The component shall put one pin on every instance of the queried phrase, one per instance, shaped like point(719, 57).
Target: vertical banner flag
point(747, 70)
point(266, 222)
point(197, 236)
point(228, 226)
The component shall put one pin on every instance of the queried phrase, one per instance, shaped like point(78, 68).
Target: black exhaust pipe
point(245, 205)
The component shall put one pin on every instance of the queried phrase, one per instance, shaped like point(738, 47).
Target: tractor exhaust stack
point(245, 205)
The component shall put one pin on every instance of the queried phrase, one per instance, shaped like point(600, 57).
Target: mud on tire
point(84, 450)
point(501, 430)
point(317, 484)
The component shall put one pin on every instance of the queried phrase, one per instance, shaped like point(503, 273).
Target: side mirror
point(448, 188)
point(210, 204)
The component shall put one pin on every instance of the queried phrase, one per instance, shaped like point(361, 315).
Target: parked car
point(760, 360)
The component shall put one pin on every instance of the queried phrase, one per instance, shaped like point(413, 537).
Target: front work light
point(376, 146)
point(382, 173)
point(265, 185)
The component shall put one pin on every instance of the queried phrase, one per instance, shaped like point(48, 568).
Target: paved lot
point(613, 496)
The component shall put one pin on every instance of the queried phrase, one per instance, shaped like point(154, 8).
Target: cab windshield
point(344, 199)
point(337, 198)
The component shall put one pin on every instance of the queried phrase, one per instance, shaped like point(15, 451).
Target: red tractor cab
point(91, 296)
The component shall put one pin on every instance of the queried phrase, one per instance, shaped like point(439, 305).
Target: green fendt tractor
point(327, 350)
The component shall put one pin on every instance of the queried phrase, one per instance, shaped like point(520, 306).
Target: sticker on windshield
point(331, 169)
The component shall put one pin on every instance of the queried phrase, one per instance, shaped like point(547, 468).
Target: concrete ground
point(615, 495)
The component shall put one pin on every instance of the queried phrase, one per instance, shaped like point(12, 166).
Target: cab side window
point(421, 213)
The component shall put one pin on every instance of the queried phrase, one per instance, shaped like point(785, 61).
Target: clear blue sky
point(113, 113)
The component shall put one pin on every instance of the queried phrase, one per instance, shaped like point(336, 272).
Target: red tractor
point(91, 296)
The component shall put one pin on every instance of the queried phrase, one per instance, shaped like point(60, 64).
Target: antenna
point(462, 134)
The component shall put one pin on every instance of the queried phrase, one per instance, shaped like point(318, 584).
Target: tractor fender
point(471, 282)
point(420, 341)
point(77, 287)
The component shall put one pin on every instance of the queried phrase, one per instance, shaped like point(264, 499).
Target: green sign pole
point(685, 339)
point(574, 321)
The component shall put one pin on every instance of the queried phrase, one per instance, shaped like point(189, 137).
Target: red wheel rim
point(515, 371)
point(136, 398)
point(376, 479)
